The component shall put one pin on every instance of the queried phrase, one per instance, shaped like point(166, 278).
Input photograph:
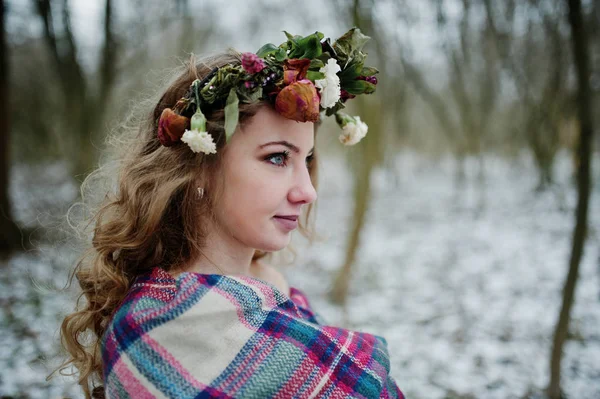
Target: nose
point(303, 191)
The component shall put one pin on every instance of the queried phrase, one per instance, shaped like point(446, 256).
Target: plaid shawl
point(215, 336)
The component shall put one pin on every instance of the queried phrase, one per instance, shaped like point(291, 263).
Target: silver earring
point(200, 192)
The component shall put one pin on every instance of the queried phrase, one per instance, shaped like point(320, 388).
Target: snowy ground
point(465, 285)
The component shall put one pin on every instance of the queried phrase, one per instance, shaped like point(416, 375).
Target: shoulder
point(205, 329)
point(270, 274)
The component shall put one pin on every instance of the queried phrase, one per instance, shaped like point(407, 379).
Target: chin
point(274, 244)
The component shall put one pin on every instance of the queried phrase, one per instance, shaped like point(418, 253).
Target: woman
point(179, 301)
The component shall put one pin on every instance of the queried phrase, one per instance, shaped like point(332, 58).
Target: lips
point(289, 217)
point(286, 222)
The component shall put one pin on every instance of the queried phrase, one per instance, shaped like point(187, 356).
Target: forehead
point(267, 125)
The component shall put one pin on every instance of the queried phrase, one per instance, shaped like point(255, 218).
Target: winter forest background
point(464, 229)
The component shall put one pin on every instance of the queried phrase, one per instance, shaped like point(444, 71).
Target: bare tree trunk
point(84, 109)
point(10, 236)
point(543, 101)
point(109, 57)
point(581, 56)
point(371, 154)
point(362, 197)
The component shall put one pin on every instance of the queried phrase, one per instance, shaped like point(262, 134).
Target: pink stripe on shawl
point(130, 383)
point(299, 378)
point(299, 298)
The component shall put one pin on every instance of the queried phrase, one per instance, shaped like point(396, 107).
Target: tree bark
point(84, 109)
point(581, 56)
point(362, 199)
point(370, 153)
point(10, 235)
point(543, 101)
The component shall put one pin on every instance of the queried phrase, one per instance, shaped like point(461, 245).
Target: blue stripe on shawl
point(116, 389)
point(292, 340)
point(273, 374)
point(249, 300)
point(159, 372)
point(126, 329)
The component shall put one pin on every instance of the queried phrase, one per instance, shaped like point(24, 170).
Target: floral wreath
point(303, 77)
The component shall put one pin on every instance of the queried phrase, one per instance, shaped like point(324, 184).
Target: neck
point(223, 254)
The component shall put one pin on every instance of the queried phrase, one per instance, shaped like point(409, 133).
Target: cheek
point(252, 193)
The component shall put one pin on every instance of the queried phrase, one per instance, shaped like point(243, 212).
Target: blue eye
point(279, 159)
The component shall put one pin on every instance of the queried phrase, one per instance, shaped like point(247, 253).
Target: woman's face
point(266, 180)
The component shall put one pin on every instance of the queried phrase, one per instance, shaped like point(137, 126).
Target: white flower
point(199, 141)
point(353, 131)
point(330, 86)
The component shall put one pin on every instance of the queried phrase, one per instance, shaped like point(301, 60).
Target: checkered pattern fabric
point(215, 336)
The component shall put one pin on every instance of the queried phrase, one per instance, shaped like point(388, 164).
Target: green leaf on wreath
point(268, 48)
point(314, 75)
point(359, 87)
point(369, 71)
point(316, 64)
point(231, 113)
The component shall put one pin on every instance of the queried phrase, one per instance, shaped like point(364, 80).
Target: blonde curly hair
point(149, 217)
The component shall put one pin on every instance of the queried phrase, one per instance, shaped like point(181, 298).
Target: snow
point(467, 297)
point(464, 284)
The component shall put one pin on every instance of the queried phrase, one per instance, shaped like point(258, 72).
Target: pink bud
point(346, 96)
point(370, 79)
point(252, 63)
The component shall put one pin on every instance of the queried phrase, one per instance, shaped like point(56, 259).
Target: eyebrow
point(286, 144)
